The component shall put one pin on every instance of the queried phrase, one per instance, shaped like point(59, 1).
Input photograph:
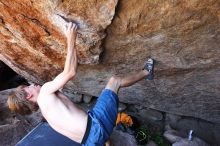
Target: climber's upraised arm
point(71, 58)
point(70, 64)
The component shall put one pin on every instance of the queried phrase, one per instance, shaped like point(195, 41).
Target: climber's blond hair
point(18, 102)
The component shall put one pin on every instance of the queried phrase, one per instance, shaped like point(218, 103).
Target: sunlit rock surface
point(116, 37)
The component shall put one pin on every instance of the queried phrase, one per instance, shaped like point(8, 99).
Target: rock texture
point(206, 131)
point(178, 140)
point(182, 35)
point(119, 138)
point(33, 30)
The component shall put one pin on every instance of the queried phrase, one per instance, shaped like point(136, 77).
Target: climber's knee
point(114, 84)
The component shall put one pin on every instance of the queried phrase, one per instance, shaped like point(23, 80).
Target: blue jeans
point(103, 116)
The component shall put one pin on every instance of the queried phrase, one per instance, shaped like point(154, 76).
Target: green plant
point(142, 135)
point(150, 135)
point(158, 139)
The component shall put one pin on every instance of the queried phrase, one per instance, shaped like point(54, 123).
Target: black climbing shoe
point(149, 66)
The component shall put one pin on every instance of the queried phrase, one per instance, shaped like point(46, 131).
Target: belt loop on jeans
point(88, 127)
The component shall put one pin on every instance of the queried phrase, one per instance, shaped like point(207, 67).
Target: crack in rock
point(37, 22)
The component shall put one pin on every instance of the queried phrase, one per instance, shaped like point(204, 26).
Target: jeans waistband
point(88, 127)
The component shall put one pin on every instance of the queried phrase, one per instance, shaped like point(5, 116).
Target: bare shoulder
point(44, 94)
point(44, 88)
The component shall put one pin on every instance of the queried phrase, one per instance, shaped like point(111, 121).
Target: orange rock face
point(32, 32)
point(116, 37)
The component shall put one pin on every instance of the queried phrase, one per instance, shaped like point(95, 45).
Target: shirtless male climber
point(91, 129)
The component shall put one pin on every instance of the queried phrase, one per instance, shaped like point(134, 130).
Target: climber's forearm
point(71, 59)
point(71, 62)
